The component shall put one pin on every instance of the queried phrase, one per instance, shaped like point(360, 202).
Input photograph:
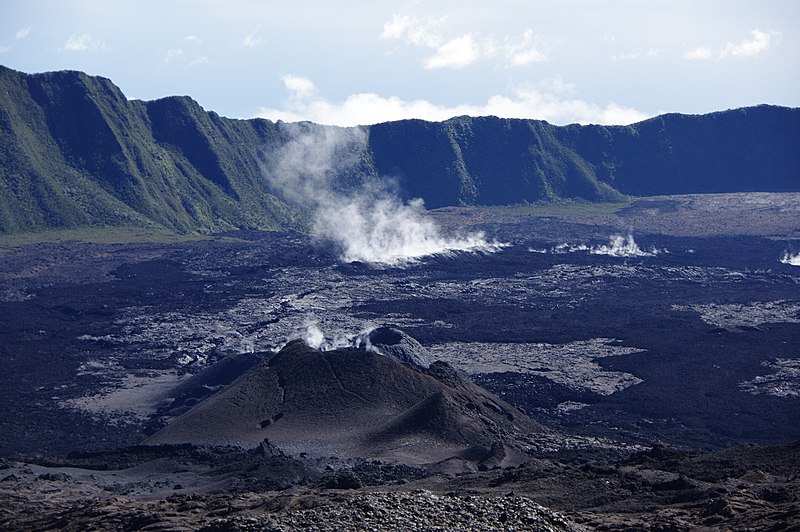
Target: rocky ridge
point(76, 152)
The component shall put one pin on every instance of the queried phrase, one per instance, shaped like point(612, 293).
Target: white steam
point(326, 169)
point(792, 259)
point(384, 231)
point(618, 246)
point(312, 334)
point(570, 248)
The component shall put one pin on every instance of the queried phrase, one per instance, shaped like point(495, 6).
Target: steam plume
point(618, 246)
point(312, 334)
point(327, 172)
point(792, 259)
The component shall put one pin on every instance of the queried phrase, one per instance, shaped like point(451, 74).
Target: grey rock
point(392, 342)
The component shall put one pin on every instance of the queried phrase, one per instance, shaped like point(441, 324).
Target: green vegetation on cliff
point(75, 152)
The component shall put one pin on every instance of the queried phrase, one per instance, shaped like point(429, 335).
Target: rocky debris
point(267, 448)
point(784, 381)
point(745, 317)
point(57, 477)
point(575, 364)
point(418, 510)
point(332, 511)
point(340, 480)
point(380, 473)
point(743, 488)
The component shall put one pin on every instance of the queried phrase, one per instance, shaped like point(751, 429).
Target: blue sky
point(346, 62)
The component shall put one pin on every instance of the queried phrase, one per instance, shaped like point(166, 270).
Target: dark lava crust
point(654, 375)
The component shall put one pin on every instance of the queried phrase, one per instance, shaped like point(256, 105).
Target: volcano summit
point(352, 403)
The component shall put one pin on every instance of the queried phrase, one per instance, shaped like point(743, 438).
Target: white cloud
point(4, 49)
point(464, 50)
point(419, 32)
point(524, 51)
point(181, 56)
point(172, 54)
point(298, 86)
point(557, 85)
point(252, 40)
point(650, 53)
point(199, 60)
point(457, 53)
point(22, 33)
point(759, 42)
point(371, 108)
point(81, 43)
point(700, 54)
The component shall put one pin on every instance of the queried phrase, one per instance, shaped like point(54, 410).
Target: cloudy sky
point(346, 62)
